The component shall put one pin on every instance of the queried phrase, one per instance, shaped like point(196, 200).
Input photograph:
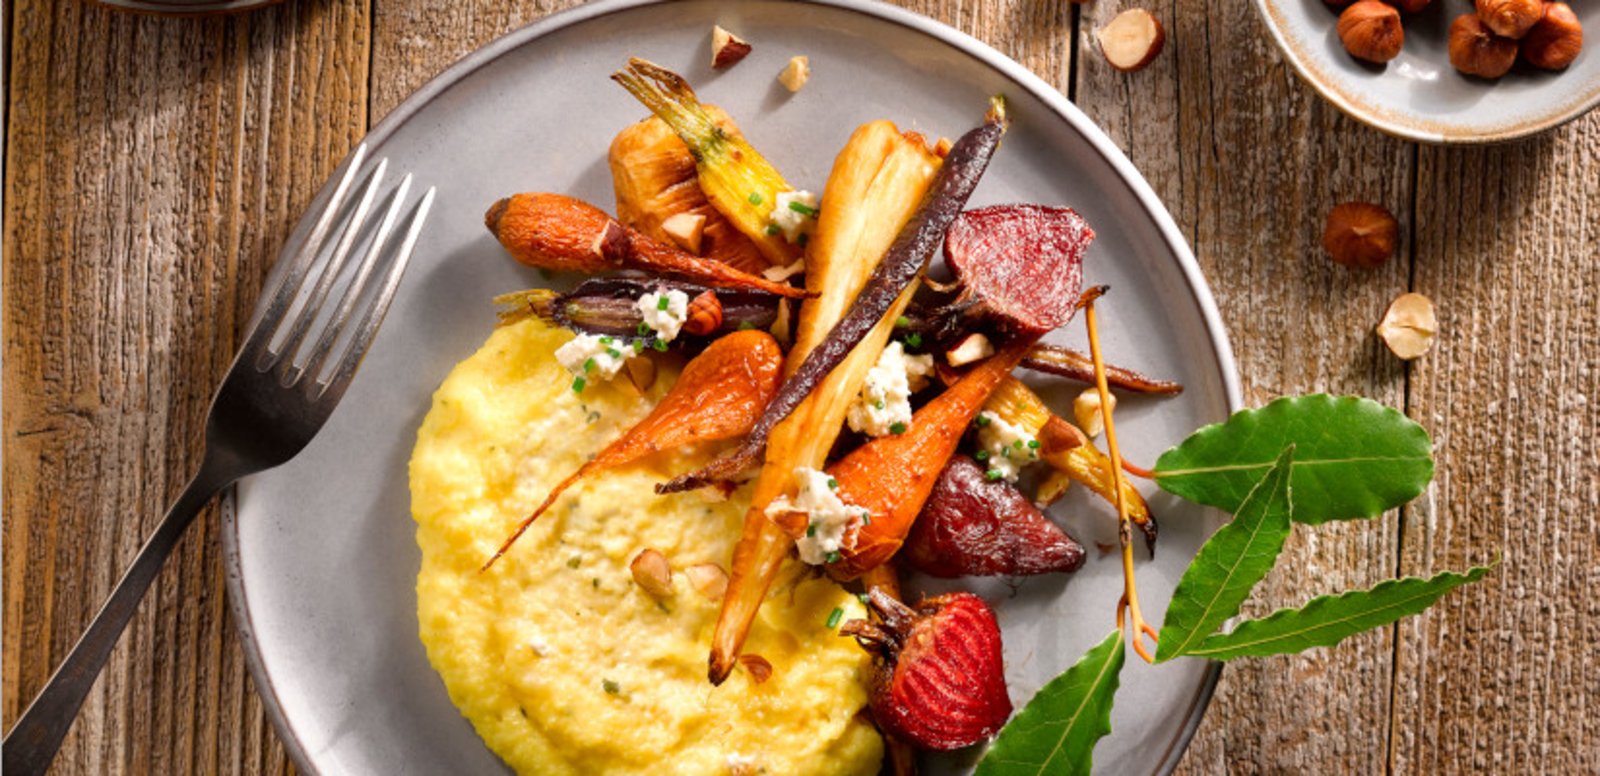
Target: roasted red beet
point(1039, 288)
point(973, 527)
point(939, 678)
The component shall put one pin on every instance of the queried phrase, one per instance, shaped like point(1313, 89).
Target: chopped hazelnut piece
point(708, 579)
point(686, 229)
point(726, 48)
point(974, 348)
point(796, 74)
point(653, 573)
point(1409, 326)
point(1086, 410)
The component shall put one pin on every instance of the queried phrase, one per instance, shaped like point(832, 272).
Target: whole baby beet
point(971, 526)
point(938, 679)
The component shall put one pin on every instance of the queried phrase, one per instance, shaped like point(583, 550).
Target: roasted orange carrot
point(557, 232)
point(718, 396)
point(892, 475)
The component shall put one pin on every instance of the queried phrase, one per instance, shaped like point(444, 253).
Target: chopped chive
point(811, 529)
point(661, 303)
point(755, 198)
point(573, 562)
point(1006, 452)
point(983, 421)
point(1033, 443)
point(866, 518)
point(614, 353)
point(638, 346)
point(832, 556)
point(994, 474)
point(914, 340)
point(804, 236)
point(983, 455)
point(802, 208)
point(902, 322)
point(746, 326)
point(897, 428)
point(773, 230)
point(661, 345)
point(588, 364)
point(833, 484)
point(606, 340)
point(836, 615)
point(644, 329)
point(879, 404)
point(596, 582)
point(863, 598)
point(1017, 444)
point(577, 385)
point(610, 686)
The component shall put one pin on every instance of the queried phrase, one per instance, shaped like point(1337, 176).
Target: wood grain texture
point(155, 166)
point(1503, 678)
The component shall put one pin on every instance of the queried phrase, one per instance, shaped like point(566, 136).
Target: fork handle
point(31, 744)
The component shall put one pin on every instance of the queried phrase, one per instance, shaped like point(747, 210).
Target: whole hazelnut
point(1360, 234)
point(1476, 50)
point(1555, 41)
point(1371, 30)
point(1510, 18)
point(1411, 6)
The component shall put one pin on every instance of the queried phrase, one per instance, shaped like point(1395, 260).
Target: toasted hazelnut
point(1510, 18)
point(795, 74)
point(708, 579)
point(1409, 325)
point(1086, 410)
point(726, 48)
point(687, 230)
point(1371, 30)
point(1555, 41)
point(641, 372)
point(973, 347)
point(1132, 39)
point(760, 670)
point(1052, 488)
point(704, 315)
point(1476, 50)
point(1411, 6)
point(1338, 3)
point(652, 572)
point(1360, 234)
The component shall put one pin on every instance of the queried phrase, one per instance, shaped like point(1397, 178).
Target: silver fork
point(271, 403)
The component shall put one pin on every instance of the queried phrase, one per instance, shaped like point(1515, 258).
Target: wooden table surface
point(154, 166)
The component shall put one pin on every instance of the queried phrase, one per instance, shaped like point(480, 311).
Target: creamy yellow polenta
point(564, 664)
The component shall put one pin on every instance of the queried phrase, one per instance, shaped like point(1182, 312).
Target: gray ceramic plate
point(1419, 95)
point(185, 7)
point(321, 555)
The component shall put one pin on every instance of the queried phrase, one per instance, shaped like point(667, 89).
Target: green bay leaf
point(1354, 458)
point(1228, 566)
point(1327, 620)
point(1056, 732)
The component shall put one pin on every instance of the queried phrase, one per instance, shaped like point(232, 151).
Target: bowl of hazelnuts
point(1445, 71)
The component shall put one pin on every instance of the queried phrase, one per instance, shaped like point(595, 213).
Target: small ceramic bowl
point(1418, 95)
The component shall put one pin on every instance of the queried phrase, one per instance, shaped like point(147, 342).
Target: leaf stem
point(1130, 593)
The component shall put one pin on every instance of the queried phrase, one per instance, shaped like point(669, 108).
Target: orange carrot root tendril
point(1130, 593)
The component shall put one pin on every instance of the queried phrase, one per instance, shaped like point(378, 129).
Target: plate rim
point(1064, 109)
point(1324, 87)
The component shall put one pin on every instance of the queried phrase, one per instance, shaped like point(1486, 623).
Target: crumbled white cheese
point(1005, 448)
point(827, 515)
point(665, 319)
point(539, 646)
point(592, 357)
point(795, 212)
point(885, 397)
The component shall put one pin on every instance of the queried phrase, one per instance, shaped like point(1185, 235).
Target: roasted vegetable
point(905, 260)
point(655, 180)
point(883, 580)
point(892, 476)
point(1067, 450)
point(938, 679)
point(717, 397)
point(1065, 362)
point(739, 182)
point(876, 183)
point(554, 231)
point(609, 306)
point(975, 249)
point(972, 526)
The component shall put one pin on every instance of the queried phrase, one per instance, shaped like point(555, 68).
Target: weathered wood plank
point(155, 167)
point(1502, 677)
point(1249, 161)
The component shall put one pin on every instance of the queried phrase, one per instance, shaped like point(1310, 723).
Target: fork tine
point(336, 323)
point(329, 272)
point(288, 287)
point(368, 327)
